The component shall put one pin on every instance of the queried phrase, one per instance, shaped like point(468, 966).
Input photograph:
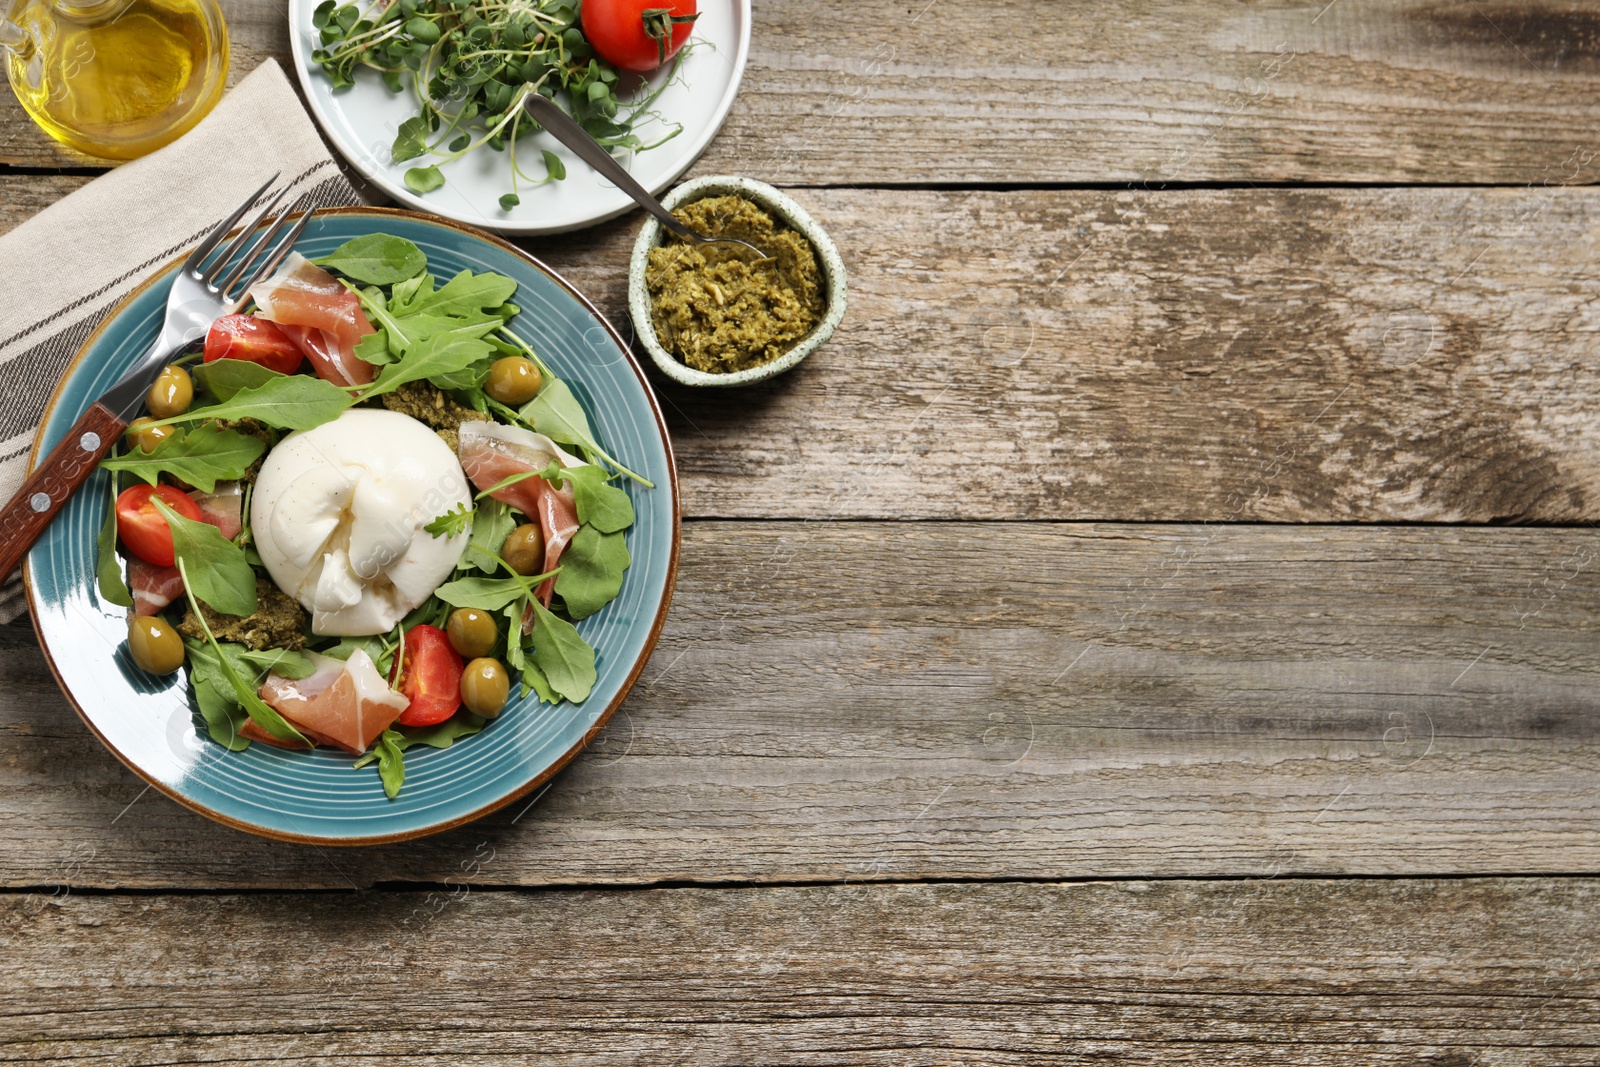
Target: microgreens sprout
point(471, 64)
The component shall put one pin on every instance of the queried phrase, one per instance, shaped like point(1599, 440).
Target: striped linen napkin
point(64, 269)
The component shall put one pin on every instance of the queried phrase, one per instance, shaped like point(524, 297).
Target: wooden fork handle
point(63, 471)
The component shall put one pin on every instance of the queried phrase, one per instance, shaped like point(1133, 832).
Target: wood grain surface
point(1274, 355)
point(1226, 352)
point(1238, 355)
point(1454, 973)
point(882, 92)
point(23, 196)
point(865, 701)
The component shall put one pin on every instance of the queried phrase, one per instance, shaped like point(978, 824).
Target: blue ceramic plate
point(316, 796)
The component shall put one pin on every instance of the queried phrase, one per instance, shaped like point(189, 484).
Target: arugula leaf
point(345, 646)
point(374, 348)
point(224, 377)
point(222, 716)
point(452, 523)
point(391, 763)
point(376, 259)
point(533, 680)
point(440, 354)
point(485, 594)
point(401, 331)
point(467, 378)
point(261, 713)
point(491, 524)
point(600, 504)
point(202, 457)
point(405, 294)
point(222, 577)
point(447, 733)
point(376, 649)
point(426, 612)
point(591, 571)
point(285, 661)
point(107, 567)
point(289, 402)
point(557, 414)
point(562, 655)
point(408, 330)
point(220, 709)
point(466, 293)
point(387, 753)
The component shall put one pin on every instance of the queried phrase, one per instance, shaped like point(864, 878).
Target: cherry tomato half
point(256, 340)
point(431, 678)
point(143, 529)
point(626, 37)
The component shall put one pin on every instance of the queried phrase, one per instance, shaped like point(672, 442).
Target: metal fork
point(214, 281)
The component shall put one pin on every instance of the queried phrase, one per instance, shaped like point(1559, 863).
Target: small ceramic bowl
point(780, 207)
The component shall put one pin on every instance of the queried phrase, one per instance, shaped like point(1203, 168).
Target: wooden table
point(1160, 626)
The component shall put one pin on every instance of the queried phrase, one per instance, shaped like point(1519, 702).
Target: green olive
point(145, 436)
point(485, 685)
point(472, 632)
point(155, 644)
point(524, 549)
point(172, 393)
point(513, 380)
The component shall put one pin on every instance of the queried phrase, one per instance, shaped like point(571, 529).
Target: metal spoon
point(564, 128)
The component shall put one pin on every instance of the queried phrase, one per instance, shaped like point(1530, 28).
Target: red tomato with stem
point(638, 34)
point(255, 340)
point(144, 529)
point(430, 677)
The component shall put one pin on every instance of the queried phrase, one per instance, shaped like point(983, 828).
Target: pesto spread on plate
point(719, 312)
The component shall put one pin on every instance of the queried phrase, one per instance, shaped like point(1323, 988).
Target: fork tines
point(255, 251)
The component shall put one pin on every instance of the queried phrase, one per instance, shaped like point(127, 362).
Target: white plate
point(361, 121)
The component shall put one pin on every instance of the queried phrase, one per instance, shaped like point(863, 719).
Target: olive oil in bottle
point(116, 78)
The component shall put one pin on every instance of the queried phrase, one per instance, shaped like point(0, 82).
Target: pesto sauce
point(718, 312)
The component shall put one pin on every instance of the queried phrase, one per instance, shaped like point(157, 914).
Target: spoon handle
point(562, 127)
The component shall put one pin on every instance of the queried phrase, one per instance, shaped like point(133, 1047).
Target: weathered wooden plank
point(1482, 972)
point(1277, 355)
point(23, 196)
point(863, 701)
point(1171, 91)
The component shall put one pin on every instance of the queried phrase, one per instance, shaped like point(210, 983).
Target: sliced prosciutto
point(321, 316)
point(223, 508)
point(491, 453)
point(251, 732)
point(154, 587)
point(344, 703)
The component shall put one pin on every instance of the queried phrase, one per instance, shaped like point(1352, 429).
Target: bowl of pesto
point(714, 315)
